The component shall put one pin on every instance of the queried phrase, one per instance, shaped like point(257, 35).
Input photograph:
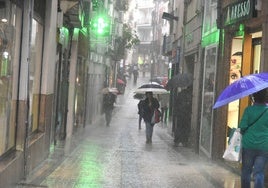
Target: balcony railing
point(167, 44)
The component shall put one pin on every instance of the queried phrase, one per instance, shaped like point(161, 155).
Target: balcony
point(167, 45)
point(76, 12)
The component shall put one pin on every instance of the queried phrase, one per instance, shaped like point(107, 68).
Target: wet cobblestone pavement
point(117, 156)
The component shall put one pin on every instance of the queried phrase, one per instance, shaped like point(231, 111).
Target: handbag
point(156, 116)
point(233, 150)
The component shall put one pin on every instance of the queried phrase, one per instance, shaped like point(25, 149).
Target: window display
point(10, 26)
point(208, 99)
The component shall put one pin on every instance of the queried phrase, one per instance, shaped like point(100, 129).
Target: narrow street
point(117, 156)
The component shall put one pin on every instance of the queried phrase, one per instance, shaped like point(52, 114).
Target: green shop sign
point(238, 11)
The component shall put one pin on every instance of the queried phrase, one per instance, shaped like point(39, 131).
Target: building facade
point(51, 77)
point(220, 43)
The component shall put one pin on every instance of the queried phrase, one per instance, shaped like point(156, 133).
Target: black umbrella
point(180, 80)
point(151, 87)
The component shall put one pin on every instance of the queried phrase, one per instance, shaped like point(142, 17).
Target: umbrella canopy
point(119, 81)
point(162, 80)
point(242, 87)
point(113, 90)
point(180, 80)
point(151, 87)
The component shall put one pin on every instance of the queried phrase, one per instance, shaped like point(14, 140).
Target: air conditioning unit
point(258, 4)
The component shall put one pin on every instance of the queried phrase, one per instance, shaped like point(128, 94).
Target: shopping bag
point(233, 150)
point(156, 116)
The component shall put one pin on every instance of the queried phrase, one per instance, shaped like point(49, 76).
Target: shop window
point(10, 29)
point(208, 93)
point(235, 74)
point(35, 72)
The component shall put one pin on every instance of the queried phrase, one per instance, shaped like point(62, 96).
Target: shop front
point(242, 47)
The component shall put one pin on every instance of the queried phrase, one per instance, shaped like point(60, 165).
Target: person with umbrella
point(149, 106)
point(182, 112)
point(254, 130)
point(109, 99)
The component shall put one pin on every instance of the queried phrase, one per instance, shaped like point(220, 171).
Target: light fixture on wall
point(169, 17)
point(3, 15)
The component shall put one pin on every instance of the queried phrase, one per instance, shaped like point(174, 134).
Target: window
point(35, 72)
point(208, 99)
point(10, 29)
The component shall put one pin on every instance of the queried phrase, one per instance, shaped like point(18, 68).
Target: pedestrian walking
point(108, 106)
point(182, 113)
point(150, 105)
point(135, 72)
point(254, 130)
point(164, 104)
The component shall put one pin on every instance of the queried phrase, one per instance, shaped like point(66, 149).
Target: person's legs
point(165, 115)
point(162, 114)
point(248, 156)
point(259, 169)
point(108, 116)
point(149, 132)
point(140, 119)
point(176, 133)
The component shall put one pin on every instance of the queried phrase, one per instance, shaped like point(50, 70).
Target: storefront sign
point(238, 11)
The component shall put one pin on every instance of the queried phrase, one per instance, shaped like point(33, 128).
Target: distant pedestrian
point(164, 104)
point(150, 105)
point(108, 106)
point(135, 72)
point(254, 129)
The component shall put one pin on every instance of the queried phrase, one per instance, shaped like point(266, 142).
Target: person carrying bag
point(150, 105)
point(254, 130)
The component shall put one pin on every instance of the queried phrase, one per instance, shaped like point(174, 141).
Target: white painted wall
point(50, 48)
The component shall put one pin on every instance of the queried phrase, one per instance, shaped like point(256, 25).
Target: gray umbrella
point(180, 80)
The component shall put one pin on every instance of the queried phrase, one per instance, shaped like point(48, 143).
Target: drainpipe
point(219, 115)
point(66, 85)
point(264, 58)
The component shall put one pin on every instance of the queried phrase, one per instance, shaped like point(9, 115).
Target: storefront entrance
point(245, 59)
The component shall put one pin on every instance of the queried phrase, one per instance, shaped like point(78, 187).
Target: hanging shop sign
point(238, 11)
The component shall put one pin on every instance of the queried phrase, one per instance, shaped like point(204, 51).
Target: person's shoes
point(149, 140)
point(139, 128)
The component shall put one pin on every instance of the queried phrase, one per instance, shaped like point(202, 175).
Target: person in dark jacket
point(182, 111)
point(149, 106)
point(108, 106)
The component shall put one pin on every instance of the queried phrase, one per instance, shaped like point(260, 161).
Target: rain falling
point(133, 93)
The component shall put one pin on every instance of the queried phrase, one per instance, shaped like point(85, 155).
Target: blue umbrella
point(242, 87)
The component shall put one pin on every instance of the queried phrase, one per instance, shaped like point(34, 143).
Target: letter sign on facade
point(238, 11)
